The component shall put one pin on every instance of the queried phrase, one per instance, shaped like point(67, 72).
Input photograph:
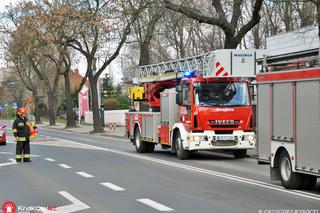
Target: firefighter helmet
point(21, 111)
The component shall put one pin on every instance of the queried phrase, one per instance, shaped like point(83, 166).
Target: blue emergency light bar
point(188, 74)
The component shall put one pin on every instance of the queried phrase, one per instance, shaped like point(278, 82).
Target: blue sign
point(15, 105)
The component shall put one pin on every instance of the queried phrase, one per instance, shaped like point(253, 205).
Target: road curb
point(112, 136)
point(48, 127)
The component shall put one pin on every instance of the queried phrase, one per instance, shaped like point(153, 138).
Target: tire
point(242, 153)
point(3, 143)
point(181, 153)
point(141, 146)
point(150, 147)
point(309, 181)
point(289, 179)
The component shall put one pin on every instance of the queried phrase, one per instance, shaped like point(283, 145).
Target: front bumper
point(208, 140)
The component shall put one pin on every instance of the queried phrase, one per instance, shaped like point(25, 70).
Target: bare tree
point(317, 4)
point(30, 38)
point(233, 36)
point(97, 34)
point(29, 79)
point(145, 28)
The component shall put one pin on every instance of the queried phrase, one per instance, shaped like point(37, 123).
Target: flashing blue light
point(188, 74)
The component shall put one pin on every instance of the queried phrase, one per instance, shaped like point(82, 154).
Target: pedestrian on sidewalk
point(21, 132)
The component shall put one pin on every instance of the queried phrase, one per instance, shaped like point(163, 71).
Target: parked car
point(3, 139)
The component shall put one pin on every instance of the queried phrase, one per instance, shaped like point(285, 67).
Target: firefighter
point(21, 132)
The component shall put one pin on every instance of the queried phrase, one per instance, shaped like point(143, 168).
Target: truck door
point(185, 107)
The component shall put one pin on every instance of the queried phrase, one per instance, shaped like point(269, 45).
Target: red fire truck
point(288, 109)
point(196, 103)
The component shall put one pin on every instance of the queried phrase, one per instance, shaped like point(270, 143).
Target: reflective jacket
point(21, 129)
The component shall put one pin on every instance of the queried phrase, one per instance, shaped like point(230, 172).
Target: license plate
point(225, 138)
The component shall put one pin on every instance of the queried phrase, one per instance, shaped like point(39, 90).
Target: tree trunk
point(181, 40)
point(144, 54)
point(145, 44)
point(36, 107)
point(256, 37)
point(51, 112)
point(71, 121)
point(230, 42)
point(97, 125)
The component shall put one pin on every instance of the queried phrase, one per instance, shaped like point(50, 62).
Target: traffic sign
point(15, 105)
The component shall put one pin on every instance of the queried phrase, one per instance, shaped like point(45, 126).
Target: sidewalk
point(118, 132)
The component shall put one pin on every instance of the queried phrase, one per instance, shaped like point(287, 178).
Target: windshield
point(221, 94)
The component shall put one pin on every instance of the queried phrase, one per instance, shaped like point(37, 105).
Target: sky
point(4, 3)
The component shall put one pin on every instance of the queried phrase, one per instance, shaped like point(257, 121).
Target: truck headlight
point(248, 137)
point(197, 138)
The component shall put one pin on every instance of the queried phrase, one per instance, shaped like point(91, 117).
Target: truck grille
point(224, 143)
point(225, 126)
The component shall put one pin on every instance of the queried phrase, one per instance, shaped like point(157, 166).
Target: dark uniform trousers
point(23, 150)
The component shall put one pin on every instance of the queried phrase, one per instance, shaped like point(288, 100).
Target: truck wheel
point(289, 179)
point(242, 153)
point(182, 154)
point(141, 146)
point(309, 182)
point(150, 147)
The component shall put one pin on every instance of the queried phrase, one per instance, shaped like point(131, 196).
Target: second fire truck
point(197, 103)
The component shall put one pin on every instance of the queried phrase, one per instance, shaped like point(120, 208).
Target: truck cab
point(215, 113)
point(215, 104)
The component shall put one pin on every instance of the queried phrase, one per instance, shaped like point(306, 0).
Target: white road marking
point(65, 166)
point(113, 187)
point(155, 205)
point(12, 162)
point(76, 205)
point(10, 153)
point(84, 174)
point(50, 159)
point(6, 153)
point(208, 172)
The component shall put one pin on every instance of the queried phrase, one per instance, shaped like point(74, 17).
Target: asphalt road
point(73, 172)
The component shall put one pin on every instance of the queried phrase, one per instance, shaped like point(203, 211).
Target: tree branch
point(255, 19)
point(189, 12)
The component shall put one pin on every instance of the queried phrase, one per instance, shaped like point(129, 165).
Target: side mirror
point(179, 88)
point(251, 90)
point(179, 98)
point(179, 94)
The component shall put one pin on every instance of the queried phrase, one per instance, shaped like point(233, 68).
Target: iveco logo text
point(225, 121)
point(224, 110)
